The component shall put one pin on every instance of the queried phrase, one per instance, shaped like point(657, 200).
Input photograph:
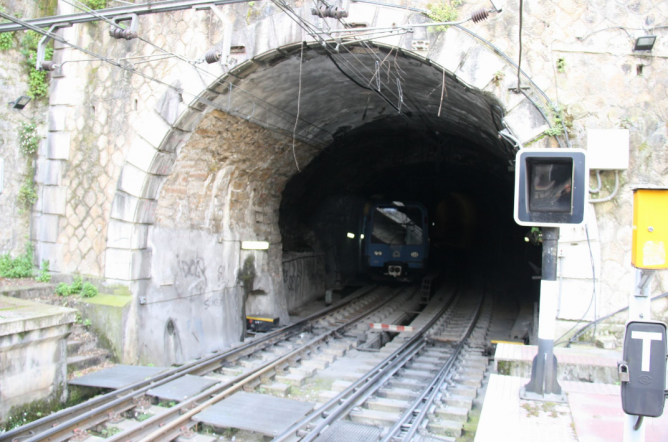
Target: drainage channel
point(73, 423)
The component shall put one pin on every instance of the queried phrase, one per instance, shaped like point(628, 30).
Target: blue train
point(396, 239)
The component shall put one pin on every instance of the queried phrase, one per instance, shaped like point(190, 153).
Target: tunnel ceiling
point(374, 144)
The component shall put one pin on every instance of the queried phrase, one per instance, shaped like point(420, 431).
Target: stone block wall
point(131, 168)
point(15, 223)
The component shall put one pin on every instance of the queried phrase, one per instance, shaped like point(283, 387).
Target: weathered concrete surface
point(33, 352)
point(575, 364)
point(303, 278)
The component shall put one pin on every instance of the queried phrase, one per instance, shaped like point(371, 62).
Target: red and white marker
point(388, 327)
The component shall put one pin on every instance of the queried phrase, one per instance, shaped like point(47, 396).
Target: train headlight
point(378, 253)
point(415, 254)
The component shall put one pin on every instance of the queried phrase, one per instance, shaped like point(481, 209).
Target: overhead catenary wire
point(96, 14)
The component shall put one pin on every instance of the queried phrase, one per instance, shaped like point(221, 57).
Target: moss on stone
point(110, 300)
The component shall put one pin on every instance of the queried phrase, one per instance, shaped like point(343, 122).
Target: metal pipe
point(598, 179)
point(612, 195)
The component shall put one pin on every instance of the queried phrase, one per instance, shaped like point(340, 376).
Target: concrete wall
point(303, 277)
point(33, 352)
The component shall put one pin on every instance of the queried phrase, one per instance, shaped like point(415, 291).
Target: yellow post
point(650, 228)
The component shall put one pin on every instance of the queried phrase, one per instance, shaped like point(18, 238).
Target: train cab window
point(397, 225)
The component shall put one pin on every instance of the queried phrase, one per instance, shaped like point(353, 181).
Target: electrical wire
point(299, 96)
point(593, 296)
point(608, 316)
point(519, 61)
point(86, 9)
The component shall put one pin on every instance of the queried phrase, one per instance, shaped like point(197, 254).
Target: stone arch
point(163, 132)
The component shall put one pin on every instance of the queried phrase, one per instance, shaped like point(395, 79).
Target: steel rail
point(169, 426)
point(361, 387)
point(428, 395)
point(78, 414)
point(111, 13)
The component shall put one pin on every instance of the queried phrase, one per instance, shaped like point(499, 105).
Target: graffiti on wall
point(192, 275)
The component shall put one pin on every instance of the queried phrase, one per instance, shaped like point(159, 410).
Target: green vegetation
point(28, 138)
point(166, 404)
point(443, 12)
point(560, 120)
point(28, 144)
point(39, 86)
point(6, 41)
point(6, 38)
point(78, 287)
point(19, 267)
point(143, 416)
point(498, 77)
point(27, 195)
point(43, 274)
point(23, 414)
point(561, 65)
point(107, 432)
point(96, 4)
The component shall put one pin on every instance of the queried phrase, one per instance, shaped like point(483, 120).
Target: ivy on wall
point(443, 11)
point(28, 144)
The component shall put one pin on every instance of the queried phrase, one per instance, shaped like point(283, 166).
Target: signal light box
point(551, 187)
point(650, 228)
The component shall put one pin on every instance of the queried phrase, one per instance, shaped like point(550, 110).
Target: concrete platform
point(33, 352)
point(593, 414)
point(575, 364)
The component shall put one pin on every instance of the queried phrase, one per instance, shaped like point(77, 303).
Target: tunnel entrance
point(437, 145)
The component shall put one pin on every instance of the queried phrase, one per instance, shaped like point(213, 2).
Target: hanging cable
point(299, 96)
point(519, 61)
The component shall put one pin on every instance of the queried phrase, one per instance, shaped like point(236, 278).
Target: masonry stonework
point(134, 168)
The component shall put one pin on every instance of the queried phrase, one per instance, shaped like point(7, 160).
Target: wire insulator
point(480, 15)
point(48, 65)
point(212, 56)
point(119, 33)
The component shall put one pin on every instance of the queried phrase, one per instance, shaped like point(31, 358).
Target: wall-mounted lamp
point(645, 43)
point(254, 245)
point(20, 102)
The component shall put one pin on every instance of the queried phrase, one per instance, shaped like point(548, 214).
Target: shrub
point(85, 289)
point(19, 267)
point(6, 41)
point(43, 274)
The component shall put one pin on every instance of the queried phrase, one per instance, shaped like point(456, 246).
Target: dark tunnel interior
point(468, 193)
point(421, 135)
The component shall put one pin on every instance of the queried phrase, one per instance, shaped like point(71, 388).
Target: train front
point(396, 239)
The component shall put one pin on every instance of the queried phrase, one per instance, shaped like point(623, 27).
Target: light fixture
point(645, 43)
point(20, 102)
point(254, 245)
point(350, 235)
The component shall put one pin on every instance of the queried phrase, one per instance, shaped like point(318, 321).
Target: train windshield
point(397, 225)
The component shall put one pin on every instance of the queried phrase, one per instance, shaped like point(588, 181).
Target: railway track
point(424, 383)
point(73, 423)
point(420, 382)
